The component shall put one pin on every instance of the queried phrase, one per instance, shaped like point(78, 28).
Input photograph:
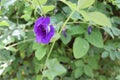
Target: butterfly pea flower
point(43, 30)
point(89, 30)
point(64, 32)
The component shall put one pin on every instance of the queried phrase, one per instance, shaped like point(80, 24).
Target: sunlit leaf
point(99, 18)
point(85, 3)
point(95, 38)
point(80, 47)
point(54, 69)
point(40, 52)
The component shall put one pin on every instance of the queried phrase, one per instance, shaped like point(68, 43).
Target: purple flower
point(43, 30)
point(64, 32)
point(89, 30)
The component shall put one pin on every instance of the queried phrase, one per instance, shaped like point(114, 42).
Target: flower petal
point(46, 21)
point(37, 23)
point(89, 30)
point(38, 39)
point(42, 21)
point(46, 40)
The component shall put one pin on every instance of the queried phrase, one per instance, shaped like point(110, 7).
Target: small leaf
point(76, 30)
point(85, 3)
point(35, 46)
point(66, 39)
point(40, 52)
point(108, 30)
point(118, 77)
point(117, 55)
point(80, 47)
point(4, 23)
point(42, 1)
point(70, 4)
point(95, 38)
point(105, 54)
point(84, 14)
point(54, 69)
point(37, 3)
point(112, 55)
point(11, 48)
point(115, 31)
point(78, 72)
point(38, 77)
point(88, 71)
point(99, 18)
point(79, 63)
point(46, 9)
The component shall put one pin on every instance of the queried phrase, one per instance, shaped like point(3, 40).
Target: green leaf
point(54, 69)
point(84, 14)
point(46, 9)
point(35, 45)
point(5, 56)
point(75, 30)
point(40, 52)
point(39, 2)
point(66, 39)
point(112, 55)
point(108, 30)
point(70, 4)
point(42, 1)
point(4, 23)
point(38, 77)
point(92, 62)
point(105, 54)
point(88, 71)
point(85, 3)
point(78, 72)
point(11, 48)
point(117, 55)
point(118, 77)
point(80, 47)
point(7, 3)
point(95, 38)
point(27, 13)
point(115, 31)
point(99, 18)
point(79, 63)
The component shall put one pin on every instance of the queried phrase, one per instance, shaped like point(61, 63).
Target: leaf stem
point(20, 42)
point(42, 12)
point(44, 66)
point(63, 26)
point(55, 41)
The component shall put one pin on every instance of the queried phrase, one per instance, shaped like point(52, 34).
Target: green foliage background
point(79, 56)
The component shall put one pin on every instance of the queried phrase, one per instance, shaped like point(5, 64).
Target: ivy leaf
point(95, 38)
point(54, 69)
point(41, 51)
point(99, 18)
point(85, 3)
point(80, 47)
